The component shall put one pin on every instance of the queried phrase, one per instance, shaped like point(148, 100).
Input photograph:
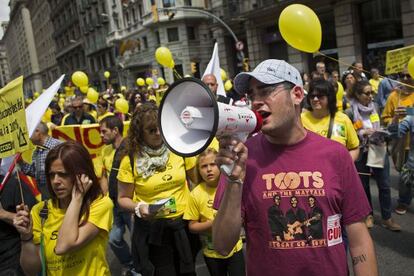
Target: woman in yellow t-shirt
point(68, 234)
point(201, 214)
point(322, 109)
point(153, 186)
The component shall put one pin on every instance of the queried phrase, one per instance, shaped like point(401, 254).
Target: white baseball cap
point(270, 71)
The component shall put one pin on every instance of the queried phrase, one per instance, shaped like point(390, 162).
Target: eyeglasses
point(313, 96)
point(77, 107)
point(52, 175)
point(263, 91)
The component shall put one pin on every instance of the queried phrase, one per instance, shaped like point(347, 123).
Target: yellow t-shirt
point(107, 156)
point(170, 183)
point(343, 130)
point(200, 208)
point(106, 114)
point(375, 83)
point(93, 113)
point(394, 100)
point(88, 260)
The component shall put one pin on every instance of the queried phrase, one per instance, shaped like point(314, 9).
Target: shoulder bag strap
point(331, 123)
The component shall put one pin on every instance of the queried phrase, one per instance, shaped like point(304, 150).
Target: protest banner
point(13, 129)
point(396, 60)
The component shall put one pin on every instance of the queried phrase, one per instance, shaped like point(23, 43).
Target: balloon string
point(350, 65)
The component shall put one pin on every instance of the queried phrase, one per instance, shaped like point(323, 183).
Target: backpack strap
point(331, 123)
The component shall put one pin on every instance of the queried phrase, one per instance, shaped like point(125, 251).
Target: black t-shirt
point(85, 119)
point(9, 237)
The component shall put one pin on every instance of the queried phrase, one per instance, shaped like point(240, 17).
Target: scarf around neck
point(150, 160)
point(362, 112)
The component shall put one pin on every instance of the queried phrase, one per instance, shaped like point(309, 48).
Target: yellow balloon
point(79, 78)
point(223, 74)
point(161, 81)
point(300, 28)
point(140, 82)
point(149, 81)
point(121, 105)
point(36, 95)
point(123, 88)
point(172, 64)
point(92, 95)
point(163, 56)
point(107, 74)
point(410, 67)
point(228, 85)
point(83, 89)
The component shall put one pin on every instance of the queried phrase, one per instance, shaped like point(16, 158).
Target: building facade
point(4, 66)
point(44, 42)
point(137, 30)
point(68, 37)
point(352, 30)
point(20, 46)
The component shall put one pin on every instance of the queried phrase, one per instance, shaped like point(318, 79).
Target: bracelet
point(235, 181)
point(137, 211)
point(27, 240)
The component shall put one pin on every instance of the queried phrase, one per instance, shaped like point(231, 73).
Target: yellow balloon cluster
point(149, 81)
point(300, 28)
point(223, 74)
point(161, 81)
point(107, 74)
point(228, 85)
point(80, 79)
point(84, 89)
point(92, 95)
point(121, 105)
point(140, 82)
point(164, 57)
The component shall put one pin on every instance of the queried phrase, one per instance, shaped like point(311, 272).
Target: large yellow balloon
point(121, 105)
point(410, 67)
point(140, 82)
point(83, 89)
point(161, 81)
point(223, 74)
point(149, 81)
point(172, 64)
point(300, 28)
point(80, 79)
point(228, 85)
point(164, 57)
point(92, 95)
point(107, 74)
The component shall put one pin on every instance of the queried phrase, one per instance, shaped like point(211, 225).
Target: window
point(187, 3)
point(140, 11)
point(157, 37)
point(134, 16)
point(191, 33)
point(168, 3)
point(145, 41)
point(172, 34)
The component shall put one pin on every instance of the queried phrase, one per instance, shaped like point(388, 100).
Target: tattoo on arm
point(359, 259)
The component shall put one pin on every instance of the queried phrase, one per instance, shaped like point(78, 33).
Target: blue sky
point(4, 13)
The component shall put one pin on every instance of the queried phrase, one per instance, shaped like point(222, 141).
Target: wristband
point(27, 240)
point(235, 181)
point(137, 211)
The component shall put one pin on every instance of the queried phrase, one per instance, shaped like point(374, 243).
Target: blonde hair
point(201, 155)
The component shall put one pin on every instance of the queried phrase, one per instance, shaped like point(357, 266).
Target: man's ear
point(297, 94)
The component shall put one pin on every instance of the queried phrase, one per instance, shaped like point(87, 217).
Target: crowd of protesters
point(166, 201)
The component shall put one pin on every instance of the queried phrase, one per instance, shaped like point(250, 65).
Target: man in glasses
point(78, 115)
point(287, 160)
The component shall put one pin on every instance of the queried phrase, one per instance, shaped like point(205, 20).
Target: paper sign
point(397, 60)
point(14, 136)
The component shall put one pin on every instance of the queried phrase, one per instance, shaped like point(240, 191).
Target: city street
point(395, 251)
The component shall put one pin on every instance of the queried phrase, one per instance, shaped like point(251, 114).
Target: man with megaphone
point(291, 162)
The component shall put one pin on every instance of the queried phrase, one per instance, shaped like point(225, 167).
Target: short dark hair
point(112, 122)
point(325, 88)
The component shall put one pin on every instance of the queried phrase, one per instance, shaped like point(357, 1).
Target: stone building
point(4, 66)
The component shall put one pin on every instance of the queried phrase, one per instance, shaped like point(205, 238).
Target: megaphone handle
point(227, 169)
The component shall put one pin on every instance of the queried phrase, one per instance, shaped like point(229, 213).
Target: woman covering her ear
point(67, 234)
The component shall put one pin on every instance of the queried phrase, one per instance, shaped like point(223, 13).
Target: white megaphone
point(190, 117)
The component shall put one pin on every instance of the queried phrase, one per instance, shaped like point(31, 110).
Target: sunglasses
point(313, 96)
point(77, 107)
point(52, 175)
